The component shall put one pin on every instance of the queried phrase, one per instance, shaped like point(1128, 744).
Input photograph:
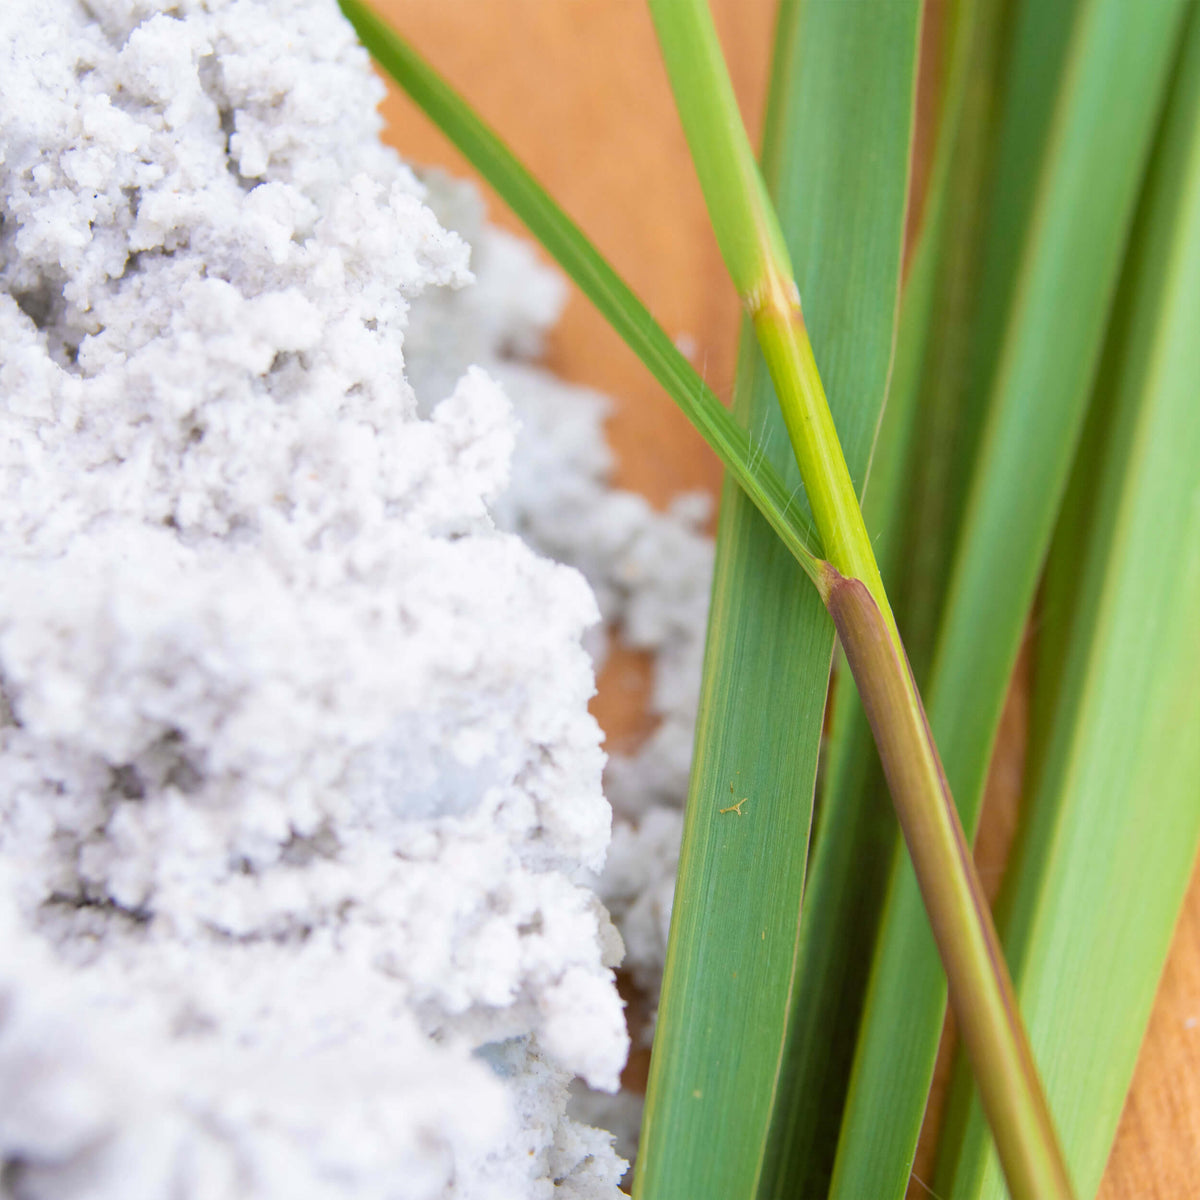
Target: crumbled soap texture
point(301, 825)
point(651, 572)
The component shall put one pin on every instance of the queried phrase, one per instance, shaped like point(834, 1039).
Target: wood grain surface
point(577, 88)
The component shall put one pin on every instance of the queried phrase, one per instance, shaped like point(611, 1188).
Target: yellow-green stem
point(779, 325)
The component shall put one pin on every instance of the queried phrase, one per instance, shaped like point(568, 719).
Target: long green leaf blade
point(945, 432)
point(1116, 64)
point(842, 71)
point(1117, 816)
point(577, 256)
point(1098, 148)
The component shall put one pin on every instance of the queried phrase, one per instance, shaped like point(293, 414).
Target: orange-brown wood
point(577, 88)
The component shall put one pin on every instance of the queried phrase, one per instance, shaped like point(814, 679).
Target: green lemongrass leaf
point(841, 72)
point(616, 301)
point(1115, 816)
point(1104, 108)
point(945, 416)
point(1113, 82)
point(855, 833)
point(1059, 595)
point(1039, 38)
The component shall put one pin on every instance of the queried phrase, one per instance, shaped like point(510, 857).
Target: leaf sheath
point(989, 1022)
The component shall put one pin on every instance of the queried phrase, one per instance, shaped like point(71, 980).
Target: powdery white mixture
point(651, 572)
point(300, 804)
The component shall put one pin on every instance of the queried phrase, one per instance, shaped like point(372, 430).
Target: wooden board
point(577, 88)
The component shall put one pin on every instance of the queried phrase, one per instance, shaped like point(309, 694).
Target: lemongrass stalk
point(755, 253)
